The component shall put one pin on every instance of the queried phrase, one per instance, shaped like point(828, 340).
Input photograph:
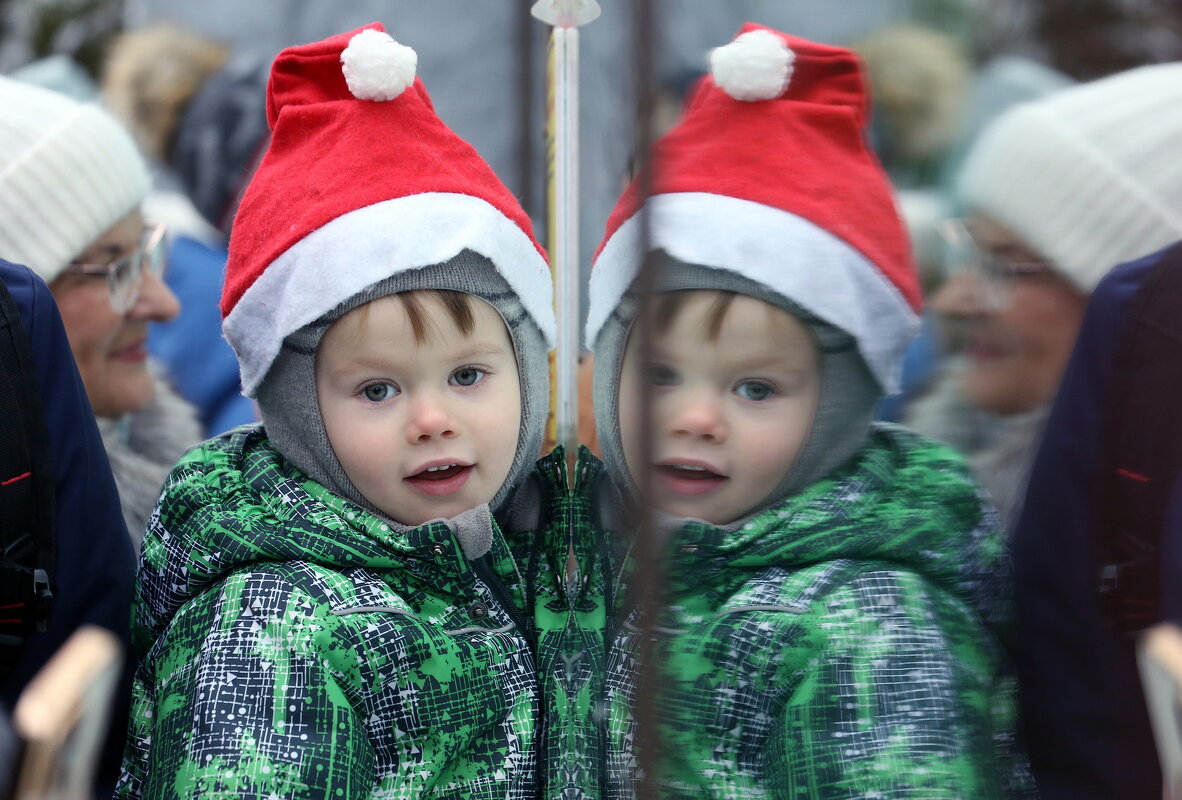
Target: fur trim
point(143, 447)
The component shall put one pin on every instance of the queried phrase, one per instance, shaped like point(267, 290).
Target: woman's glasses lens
point(125, 274)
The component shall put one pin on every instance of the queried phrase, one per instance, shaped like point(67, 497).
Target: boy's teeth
point(438, 469)
point(692, 469)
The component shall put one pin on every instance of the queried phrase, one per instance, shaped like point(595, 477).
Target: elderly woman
point(1057, 191)
point(71, 183)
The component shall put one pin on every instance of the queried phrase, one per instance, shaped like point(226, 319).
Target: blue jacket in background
point(95, 565)
point(199, 363)
point(1081, 701)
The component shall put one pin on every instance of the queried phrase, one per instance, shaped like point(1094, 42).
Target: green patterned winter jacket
point(842, 644)
point(570, 587)
point(293, 645)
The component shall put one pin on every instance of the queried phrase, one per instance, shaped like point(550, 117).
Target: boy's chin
point(421, 514)
point(697, 512)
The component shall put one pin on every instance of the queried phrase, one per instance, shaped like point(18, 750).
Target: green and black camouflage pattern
point(571, 627)
point(845, 643)
point(294, 645)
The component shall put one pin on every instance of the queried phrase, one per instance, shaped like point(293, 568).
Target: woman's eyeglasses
point(125, 274)
point(964, 253)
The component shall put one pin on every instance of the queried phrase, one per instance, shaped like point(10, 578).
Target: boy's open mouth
point(441, 479)
point(682, 478)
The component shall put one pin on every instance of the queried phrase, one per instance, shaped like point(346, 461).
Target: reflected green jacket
point(842, 644)
point(572, 611)
point(294, 645)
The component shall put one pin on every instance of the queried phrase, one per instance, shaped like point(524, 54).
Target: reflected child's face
point(733, 384)
point(421, 402)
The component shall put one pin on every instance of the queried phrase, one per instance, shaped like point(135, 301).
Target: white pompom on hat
point(1088, 176)
point(757, 65)
point(376, 67)
point(68, 172)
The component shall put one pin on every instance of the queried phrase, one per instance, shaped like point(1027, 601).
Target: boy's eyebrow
point(378, 362)
point(480, 349)
point(791, 358)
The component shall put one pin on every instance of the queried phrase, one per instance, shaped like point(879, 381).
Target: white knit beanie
point(68, 172)
point(1089, 176)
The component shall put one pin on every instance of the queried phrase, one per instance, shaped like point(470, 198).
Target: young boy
point(832, 589)
point(327, 605)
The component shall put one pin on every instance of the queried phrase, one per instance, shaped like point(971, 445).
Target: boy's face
point(423, 429)
point(728, 413)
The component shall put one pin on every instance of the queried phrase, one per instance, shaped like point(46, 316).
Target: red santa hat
point(361, 181)
point(768, 175)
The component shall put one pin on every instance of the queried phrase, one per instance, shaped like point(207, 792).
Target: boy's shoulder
point(915, 450)
point(895, 468)
point(913, 470)
point(229, 461)
point(905, 504)
point(230, 448)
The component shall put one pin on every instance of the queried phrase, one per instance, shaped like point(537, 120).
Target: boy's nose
point(429, 419)
point(699, 415)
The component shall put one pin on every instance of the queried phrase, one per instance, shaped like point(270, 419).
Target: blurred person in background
point(1085, 39)
point(1056, 191)
point(71, 184)
point(919, 79)
point(198, 112)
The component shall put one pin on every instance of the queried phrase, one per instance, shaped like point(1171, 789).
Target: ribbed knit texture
point(1089, 176)
point(68, 172)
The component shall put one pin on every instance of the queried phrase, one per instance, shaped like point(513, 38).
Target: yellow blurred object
point(150, 76)
point(62, 717)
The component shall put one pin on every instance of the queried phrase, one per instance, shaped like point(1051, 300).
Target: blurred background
point(929, 61)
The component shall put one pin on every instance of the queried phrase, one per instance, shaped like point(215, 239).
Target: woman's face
point(111, 348)
point(1015, 346)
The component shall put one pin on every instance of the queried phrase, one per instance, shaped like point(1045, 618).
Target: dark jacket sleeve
point(95, 563)
point(1080, 694)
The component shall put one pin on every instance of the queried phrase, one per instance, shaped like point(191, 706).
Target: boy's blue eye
point(467, 376)
point(661, 376)
point(377, 392)
point(754, 390)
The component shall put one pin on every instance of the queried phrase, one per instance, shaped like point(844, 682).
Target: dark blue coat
point(1081, 701)
point(95, 567)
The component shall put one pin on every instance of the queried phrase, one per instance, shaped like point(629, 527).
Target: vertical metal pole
point(566, 233)
point(647, 590)
point(562, 138)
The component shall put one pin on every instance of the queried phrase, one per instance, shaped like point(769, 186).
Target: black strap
point(1141, 448)
point(26, 491)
